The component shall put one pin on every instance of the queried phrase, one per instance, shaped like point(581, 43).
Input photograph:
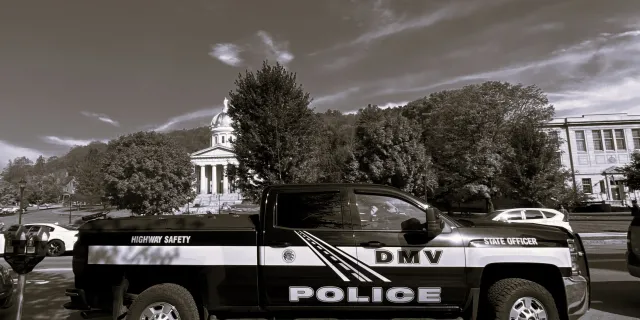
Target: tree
point(276, 140)
point(466, 132)
point(90, 178)
point(533, 171)
point(147, 173)
point(8, 193)
point(337, 141)
point(632, 172)
point(389, 150)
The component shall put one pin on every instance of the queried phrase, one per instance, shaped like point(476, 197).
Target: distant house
point(69, 186)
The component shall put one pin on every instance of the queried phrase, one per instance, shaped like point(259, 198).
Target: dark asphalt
point(615, 294)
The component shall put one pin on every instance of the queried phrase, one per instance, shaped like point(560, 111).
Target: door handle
point(373, 244)
point(280, 245)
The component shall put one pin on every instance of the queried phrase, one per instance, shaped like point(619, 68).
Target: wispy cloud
point(199, 114)
point(262, 45)
point(102, 117)
point(9, 151)
point(597, 74)
point(277, 51)
point(331, 98)
point(227, 53)
point(70, 142)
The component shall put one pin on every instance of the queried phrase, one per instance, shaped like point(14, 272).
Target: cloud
point(324, 100)
point(204, 113)
point(277, 51)
point(258, 47)
point(102, 117)
point(382, 106)
point(70, 142)
point(594, 74)
point(227, 53)
point(10, 151)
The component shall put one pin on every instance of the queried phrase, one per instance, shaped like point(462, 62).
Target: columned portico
point(213, 179)
point(212, 164)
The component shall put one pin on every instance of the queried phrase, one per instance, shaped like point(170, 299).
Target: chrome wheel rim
point(528, 308)
point(160, 311)
point(54, 248)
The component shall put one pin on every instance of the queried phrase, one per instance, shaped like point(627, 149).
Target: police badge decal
point(288, 256)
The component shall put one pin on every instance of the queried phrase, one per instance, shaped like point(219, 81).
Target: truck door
point(405, 268)
point(304, 230)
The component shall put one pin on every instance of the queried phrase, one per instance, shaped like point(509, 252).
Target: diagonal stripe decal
point(345, 255)
point(340, 262)
point(327, 262)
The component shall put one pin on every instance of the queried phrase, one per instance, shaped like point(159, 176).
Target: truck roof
point(331, 185)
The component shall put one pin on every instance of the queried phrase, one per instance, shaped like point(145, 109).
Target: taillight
point(573, 251)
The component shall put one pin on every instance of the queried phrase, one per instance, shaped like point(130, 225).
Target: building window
point(635, 134)
point(581, 142)
point(559, 157)
point(621, 143)
point(597, 140)
point(602, 188)
point(609, 145)
point(216, 138)
point(222, 139)
point(554, 135)
point(586, 185)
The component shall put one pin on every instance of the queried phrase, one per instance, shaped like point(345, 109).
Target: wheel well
point(547, 275)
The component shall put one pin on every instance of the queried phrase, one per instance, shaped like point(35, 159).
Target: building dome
point(222, 119)
point(221, 130)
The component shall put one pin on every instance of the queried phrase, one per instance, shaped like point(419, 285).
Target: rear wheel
point(165, 301)
point(516, 298)
point(55, 248)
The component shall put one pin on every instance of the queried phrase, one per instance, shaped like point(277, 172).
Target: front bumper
point(578, 296)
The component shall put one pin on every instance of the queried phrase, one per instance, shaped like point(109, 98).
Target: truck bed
point(177, 222)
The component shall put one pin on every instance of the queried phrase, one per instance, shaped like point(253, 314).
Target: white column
point(225, 179)
point(203, 180)
point(214, 179)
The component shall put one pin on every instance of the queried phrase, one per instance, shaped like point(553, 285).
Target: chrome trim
point(577, 294)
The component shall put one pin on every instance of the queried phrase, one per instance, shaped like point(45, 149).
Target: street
point(614, 291)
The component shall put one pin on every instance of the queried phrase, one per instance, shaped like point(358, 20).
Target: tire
point(59, 248)
point(173, 294)
point(503, 295)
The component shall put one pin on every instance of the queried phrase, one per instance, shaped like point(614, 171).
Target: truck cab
point(329, 250)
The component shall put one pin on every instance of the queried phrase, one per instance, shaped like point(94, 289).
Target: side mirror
point(434, 223)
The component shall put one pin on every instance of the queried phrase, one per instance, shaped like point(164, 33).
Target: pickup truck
point(633, 247)
point(350, 251)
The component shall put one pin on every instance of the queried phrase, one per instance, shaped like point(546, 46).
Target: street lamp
point(22, 184)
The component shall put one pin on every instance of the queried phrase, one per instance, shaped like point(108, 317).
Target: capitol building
point(211, 164)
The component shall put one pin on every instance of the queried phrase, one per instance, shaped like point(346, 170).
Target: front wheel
point(165, 301)
point(515, 298)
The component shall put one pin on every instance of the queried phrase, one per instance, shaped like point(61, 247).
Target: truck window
point(514, 215)
point(309, 210)
point(385, 213)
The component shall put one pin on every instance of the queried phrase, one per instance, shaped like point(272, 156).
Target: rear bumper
point(578, 296)
point(78, 300)
point(633, 265)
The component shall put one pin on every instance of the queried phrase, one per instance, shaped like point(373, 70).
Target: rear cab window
point(310, 210)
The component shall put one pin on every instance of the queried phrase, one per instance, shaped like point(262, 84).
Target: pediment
point(214, 152)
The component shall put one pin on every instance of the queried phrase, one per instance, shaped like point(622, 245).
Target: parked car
point(6, 287)
point(61, 238)
point(542, 216)
point(8, 210)
point(309, 253)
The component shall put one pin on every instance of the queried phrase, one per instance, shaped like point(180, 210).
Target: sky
point(74, 71)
